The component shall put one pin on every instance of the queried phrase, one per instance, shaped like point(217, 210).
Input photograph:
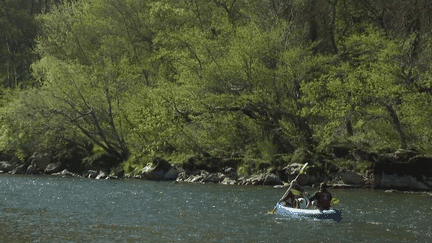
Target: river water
point(51, 209)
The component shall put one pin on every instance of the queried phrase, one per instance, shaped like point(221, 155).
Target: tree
point(363, 87)
point(82, 83)
point(17, 32)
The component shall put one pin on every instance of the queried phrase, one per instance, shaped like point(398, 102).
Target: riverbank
point(177, 174)
point(403, 170)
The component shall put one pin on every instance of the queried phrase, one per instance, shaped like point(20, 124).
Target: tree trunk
point(396, 124)
point(349, 128)
point(333, 26)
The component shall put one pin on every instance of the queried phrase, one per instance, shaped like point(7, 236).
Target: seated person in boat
point(303, 201)
point(323, 197)
point(294, 202)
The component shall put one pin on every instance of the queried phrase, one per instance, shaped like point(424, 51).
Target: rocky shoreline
point(387, 175)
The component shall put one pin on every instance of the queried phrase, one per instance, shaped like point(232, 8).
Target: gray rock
point(349, 177)
point(19, 170)
point(91, 174)
point(53, 168)
point(32, 169)
point(214, 178)
point(6, 166)
point(231, 173)
point(156, 170)
point(171, 174)
point(308, 179)
point(293, 169)
point(228, 181)
point(101, 175)
point(198, 176)
point(400, 182)
point(272, 179)
point(261, 179)
point(65, 173)
point(41, 160)
point(182, 176)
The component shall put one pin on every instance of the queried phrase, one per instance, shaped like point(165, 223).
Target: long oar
point(289, 188)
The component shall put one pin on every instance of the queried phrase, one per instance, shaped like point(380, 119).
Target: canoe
point(333, 214)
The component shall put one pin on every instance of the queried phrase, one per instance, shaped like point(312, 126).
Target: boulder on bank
point(157, 170)
point(202, 176)
point(5, 166)
point(209, 163)
point(403, 155)
point(182, 176)
point(228, 181)
point(292, 170)
point(91, 174)
point(32, 169)
point(172, 173)
point(310, 177)
point(261, 179)
point(214, 178)
point(65, 173)
point(19, 170)
point(349, 177)
point(40, 160)
point(406, 182)
point(197, 176)
point(231, 173)
point(428, 182)
point(53, 168)
point(101, 175)
point(402, 171)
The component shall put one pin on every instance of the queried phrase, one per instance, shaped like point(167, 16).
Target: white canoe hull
point(333, 214)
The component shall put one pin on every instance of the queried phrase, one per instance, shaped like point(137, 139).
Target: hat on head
point(323, 185)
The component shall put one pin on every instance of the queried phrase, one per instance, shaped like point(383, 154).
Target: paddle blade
point(271, 212)
point(295, 192)
point(335, 201)
point(303, 169)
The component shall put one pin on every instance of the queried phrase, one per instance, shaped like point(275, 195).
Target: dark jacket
point(324, 198)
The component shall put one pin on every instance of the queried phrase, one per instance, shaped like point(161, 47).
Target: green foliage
point(364, 167)
point(342, 163)
point(362, 89)
point(243, 170)
point(267, 148)
point(178, 78)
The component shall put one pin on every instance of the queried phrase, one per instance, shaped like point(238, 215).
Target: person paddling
point(294, 203)
point(323, 197)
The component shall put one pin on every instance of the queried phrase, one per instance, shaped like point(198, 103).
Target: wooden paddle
point(289, 188)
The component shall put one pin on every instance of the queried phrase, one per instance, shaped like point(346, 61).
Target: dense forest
point(251, 79)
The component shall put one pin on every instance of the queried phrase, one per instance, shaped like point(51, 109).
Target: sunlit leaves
point(362, 87)
point(216, 76)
